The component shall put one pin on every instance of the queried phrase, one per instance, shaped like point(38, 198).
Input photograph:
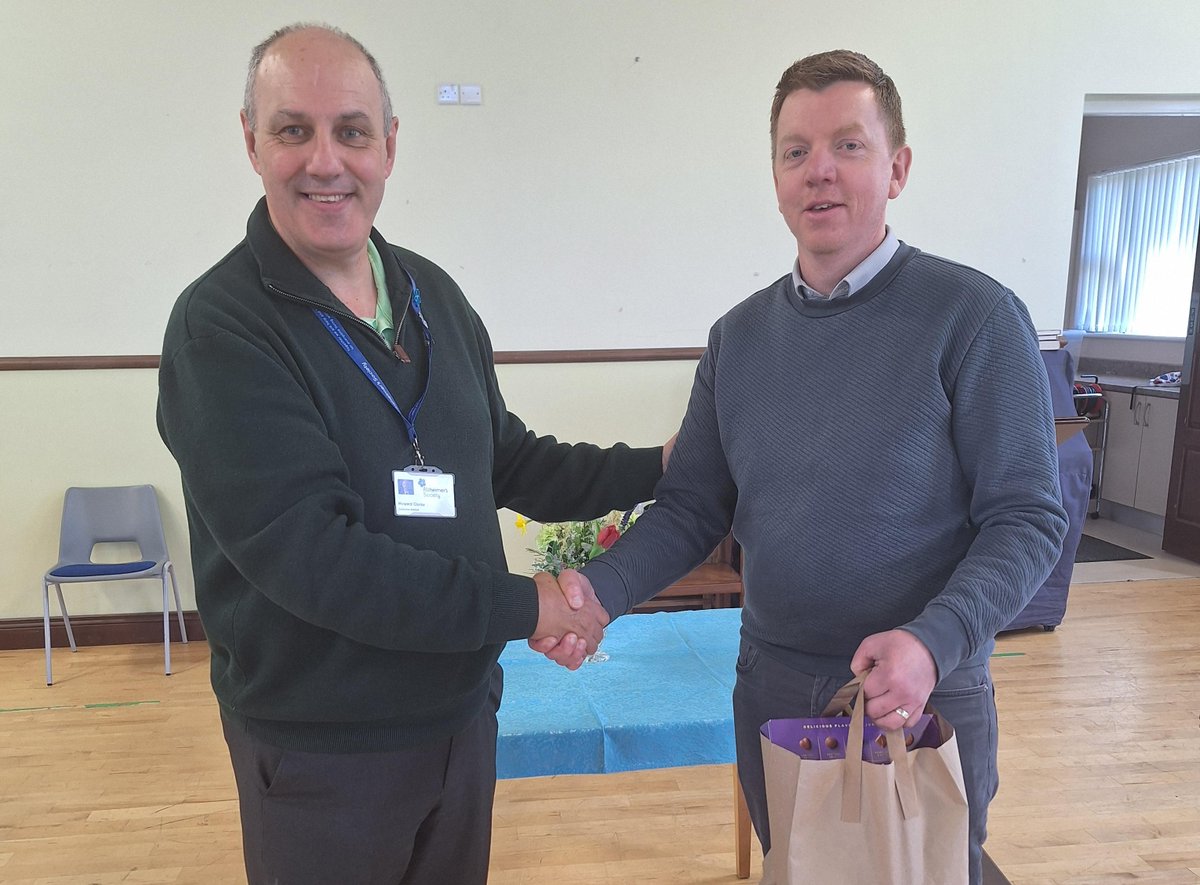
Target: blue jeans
point(767, 689)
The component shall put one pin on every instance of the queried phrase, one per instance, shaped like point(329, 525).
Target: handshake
point(571, 620)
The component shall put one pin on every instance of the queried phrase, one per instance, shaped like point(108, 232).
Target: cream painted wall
point(85, 428)
point(616, 170)
point(97, 428)
point(613, 189)
point(640, 404)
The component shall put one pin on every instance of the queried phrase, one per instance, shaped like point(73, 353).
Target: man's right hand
point(571, 620)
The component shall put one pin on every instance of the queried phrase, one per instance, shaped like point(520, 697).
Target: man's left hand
point(902, 676)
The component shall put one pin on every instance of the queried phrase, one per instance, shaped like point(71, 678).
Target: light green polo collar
point(382, 321)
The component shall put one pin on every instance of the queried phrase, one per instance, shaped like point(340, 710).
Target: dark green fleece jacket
point(335, 625)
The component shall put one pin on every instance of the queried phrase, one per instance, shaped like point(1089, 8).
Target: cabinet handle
point(1146, 415)
point(1137, 412)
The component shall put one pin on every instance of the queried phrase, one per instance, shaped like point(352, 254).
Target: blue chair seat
point(100, 569)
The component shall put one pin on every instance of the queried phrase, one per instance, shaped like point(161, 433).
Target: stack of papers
point(1051, 339)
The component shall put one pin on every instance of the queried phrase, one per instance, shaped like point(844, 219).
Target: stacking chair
point(94, 516)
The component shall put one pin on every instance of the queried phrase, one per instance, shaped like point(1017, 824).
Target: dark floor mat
point(1094, 550)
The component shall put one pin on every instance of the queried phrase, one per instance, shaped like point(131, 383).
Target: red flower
point(607, 536)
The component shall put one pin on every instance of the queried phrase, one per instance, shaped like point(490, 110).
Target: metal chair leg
point(46, 623)
point(178, 604)
point(166, 627)
point(46, 628)
point(62, 606)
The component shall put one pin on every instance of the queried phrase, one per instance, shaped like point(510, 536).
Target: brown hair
point(840, 65)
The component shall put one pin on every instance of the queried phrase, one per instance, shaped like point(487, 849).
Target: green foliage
point(564, 545)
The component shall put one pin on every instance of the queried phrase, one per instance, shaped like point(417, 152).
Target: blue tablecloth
point(663, 698)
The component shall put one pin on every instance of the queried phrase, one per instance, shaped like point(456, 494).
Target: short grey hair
point(260, 51)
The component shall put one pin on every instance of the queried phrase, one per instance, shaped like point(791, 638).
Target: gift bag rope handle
point(853, 763)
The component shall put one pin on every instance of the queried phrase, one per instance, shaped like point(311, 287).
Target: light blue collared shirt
point(857, 278)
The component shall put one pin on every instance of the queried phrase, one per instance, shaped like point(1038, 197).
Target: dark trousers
point(767, 689)
point(420, 816)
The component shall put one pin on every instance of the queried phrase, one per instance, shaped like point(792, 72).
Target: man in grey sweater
point(895, 503)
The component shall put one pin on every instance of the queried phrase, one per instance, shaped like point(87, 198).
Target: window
point(1138, 248)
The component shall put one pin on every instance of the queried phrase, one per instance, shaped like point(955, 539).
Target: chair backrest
point(110, 514)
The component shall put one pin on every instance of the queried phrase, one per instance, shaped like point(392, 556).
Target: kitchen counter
point(1142, 386)
point(1128, 377)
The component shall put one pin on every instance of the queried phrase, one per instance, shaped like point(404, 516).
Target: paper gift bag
point(846, 820)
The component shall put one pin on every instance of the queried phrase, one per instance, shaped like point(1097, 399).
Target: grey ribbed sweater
point(885, 460)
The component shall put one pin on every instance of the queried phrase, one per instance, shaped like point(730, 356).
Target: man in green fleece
point(332, 404)
point(875, 428)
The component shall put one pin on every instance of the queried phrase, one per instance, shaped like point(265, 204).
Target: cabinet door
point(1122, 450)
point(1154, 462)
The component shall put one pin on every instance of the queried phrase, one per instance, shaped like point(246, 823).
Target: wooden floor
point(118, 774)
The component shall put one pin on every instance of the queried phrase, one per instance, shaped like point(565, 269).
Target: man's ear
point(901, 163)
point(389, 145)
point(251, 146)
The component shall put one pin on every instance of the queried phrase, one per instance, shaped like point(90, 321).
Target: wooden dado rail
point(502, 357)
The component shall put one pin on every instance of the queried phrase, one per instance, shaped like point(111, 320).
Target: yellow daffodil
point(522, 524)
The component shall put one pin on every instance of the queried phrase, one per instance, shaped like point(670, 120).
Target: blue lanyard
point(343, 338)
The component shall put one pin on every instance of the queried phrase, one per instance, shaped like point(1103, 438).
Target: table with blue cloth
point(662, 699)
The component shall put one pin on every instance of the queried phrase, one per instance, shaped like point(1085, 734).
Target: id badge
point(424, 491)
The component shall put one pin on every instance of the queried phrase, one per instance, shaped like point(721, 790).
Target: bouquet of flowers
point(564, 545)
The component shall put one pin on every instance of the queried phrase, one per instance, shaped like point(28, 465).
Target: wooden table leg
point(741, 829)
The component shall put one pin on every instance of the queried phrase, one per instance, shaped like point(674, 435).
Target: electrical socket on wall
point(447, 93)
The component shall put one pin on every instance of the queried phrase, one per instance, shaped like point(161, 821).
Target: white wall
point(613, 189)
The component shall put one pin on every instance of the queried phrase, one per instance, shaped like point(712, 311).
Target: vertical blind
point(1138, 248)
